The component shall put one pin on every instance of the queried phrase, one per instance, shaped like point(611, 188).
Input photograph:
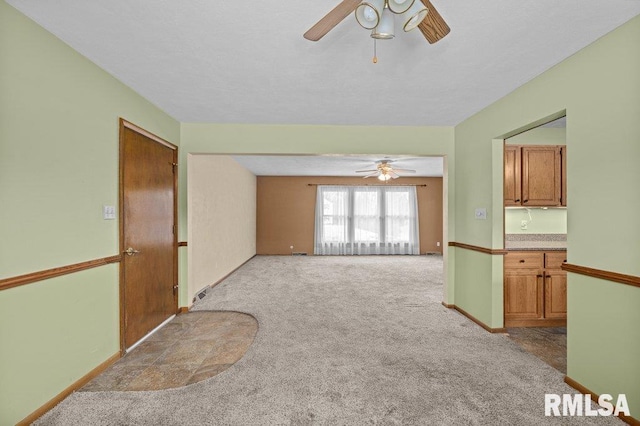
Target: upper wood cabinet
point(534, 175)
point(512, 176)
point(541, 178)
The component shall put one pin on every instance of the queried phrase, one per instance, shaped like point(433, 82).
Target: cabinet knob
point(521, 260)
point(518, 200)
point(539, 275)
point(525, 201)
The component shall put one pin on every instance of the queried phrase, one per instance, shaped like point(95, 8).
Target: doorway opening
point(535, 235)
point(287, 227)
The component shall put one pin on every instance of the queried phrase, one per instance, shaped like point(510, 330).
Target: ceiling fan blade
point(366, 171)
point(372, 175)
point(433, 26)
point(404, 170)
point(331, 19)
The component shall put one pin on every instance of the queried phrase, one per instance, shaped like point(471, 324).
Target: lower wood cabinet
point(555, 294)
point(523, 298)
point(535, 289)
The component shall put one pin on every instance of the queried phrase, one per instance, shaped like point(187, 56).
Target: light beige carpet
point(345, 340)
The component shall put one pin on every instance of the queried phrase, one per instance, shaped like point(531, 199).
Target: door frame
point(124, 124)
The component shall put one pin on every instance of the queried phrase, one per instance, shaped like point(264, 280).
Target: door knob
point(130, 251)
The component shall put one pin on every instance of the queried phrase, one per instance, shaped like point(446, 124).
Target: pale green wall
point(540, 136)
point(602, 345)
point(53, 332)
point(58, 165)
point(598, 87)
point(541, 221)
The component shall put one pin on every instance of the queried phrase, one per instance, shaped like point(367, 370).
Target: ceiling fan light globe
point(413, 16)
point(384, 177)
point(368, 13)
point(400, 6)
point(386, 28)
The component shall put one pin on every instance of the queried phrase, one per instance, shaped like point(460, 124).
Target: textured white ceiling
point(247, 62)
point(327, 165)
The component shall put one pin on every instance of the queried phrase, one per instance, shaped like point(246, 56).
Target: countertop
point(535, 242)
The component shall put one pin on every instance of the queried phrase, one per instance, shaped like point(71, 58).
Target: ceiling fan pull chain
point(375, 57)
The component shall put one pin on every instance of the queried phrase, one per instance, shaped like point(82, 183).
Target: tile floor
point(192, 347)
point(547, 343)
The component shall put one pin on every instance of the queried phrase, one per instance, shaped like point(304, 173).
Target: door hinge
point(173, 166)
point(173, 229)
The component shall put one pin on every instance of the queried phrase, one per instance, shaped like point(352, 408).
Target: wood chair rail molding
point(33, 277)
point(500, 252)
point(605, 275)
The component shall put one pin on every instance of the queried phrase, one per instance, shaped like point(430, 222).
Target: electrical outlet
point(438, 244)
point(108, 212)
point(524, 224)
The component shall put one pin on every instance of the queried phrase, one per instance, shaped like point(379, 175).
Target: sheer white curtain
point(332, 220)
point(366, 220)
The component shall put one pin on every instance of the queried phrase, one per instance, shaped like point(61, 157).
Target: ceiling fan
point(372, 14)
point(384, 171)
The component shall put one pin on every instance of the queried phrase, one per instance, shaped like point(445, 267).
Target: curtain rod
point(367, 184)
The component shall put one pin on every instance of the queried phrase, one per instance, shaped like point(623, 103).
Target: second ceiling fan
point(384, 171)
point(372, 14)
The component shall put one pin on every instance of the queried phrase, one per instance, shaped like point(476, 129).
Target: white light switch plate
point(108, 212)
point(481, 213)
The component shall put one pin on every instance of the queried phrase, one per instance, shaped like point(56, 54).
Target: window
point(366, 220)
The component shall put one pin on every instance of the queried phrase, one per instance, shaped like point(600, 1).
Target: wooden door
point(523, 296)
point(541, 175)
point(512, 174)
point(148, 242)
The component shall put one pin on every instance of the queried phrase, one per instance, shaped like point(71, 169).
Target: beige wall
point(286, 212)
point(222, 218)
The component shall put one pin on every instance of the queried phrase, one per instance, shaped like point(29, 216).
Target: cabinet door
point(563, 153)
point(523, 295)
point(512, 174)
point(541, 175)
point(555, 294)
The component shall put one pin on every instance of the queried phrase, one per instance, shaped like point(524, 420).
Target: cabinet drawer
point(554, 259)
point(524, 260)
